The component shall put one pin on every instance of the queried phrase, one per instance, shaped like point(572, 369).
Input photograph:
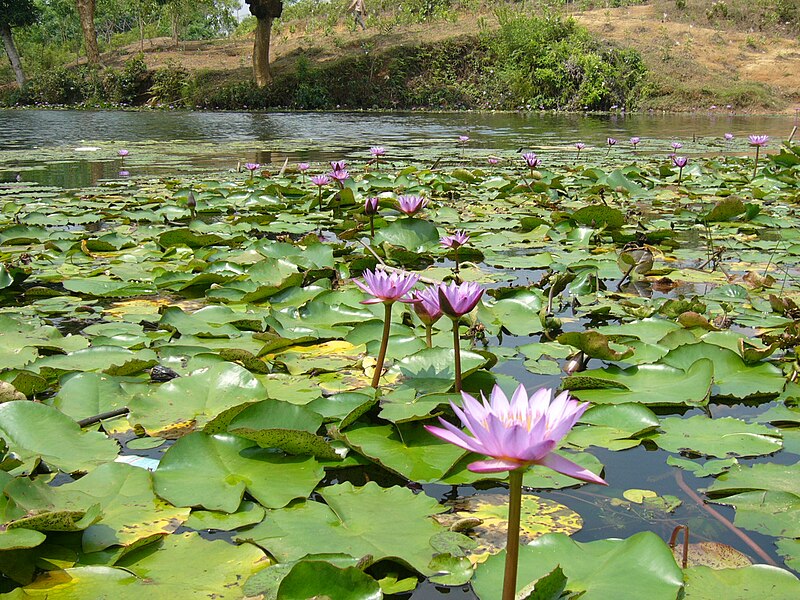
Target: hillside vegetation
point(444, 54)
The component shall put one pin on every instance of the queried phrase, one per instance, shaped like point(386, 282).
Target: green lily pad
point(656, 384)
point(194, 400)
point(408, 450)
point(721, 437)
point(353, 521)
point(432, 369)
point(746, 583)
point(230, 465)
point(36, 432)
point(641, 566)
point(316, 579)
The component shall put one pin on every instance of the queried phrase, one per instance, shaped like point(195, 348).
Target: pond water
point(42, 144)
point(73, 149)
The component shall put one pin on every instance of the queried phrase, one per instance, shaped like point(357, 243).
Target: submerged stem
point(512, 541)
point(387, 324)
point(457, 354)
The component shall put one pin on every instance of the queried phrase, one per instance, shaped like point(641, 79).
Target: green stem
point(387, 324)
point(755, 167)
point(457, 354)
point(457, 269)
point(512, 543)
point(680, 175)
point(428, 335)
point(372, 225)
point(319, 199)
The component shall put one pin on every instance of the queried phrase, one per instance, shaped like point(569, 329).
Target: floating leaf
point(229, 466)
point(353, 521)
point(717, 437)
point(641, 566)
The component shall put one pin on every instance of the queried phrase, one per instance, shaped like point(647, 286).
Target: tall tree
point(264, 11)
point(15, 13)
point(86, 14)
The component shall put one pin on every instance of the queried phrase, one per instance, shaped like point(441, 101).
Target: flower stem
point(387, 324)
point(428, 336)
point(457, 268)
point(372, 225)
point(512, 543)
point(755, 166)
point(457, 354)
point(680, 175)
point(319, 199)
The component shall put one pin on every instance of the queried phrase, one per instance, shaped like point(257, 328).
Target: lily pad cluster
point(221, 344)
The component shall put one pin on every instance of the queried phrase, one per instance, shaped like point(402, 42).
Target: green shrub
point(169, 84)
point(129, 85)
point(552, 62)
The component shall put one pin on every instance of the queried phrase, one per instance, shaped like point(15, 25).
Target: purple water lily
point(458, 239)
point(728, 137)
point(456, 300)
point(531, 160)
point(339, 176)
point(320, 181)
point(411, 205)
point(635, 142)
point(680, 162)
point(123, 152)
point(428, 310)
point(758, 141)
point(455, 241)
point(386, 288)
point(676, 146)
point(492, 160)
point(579, 146)
point(338, 165)
point(518, 433)
point(514, 435)
point(371, 209)
point(611, 143)
point(377, 151)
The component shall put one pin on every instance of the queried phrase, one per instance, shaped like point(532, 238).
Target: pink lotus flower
point(580, 146)
point(251, 166)
point(457, 300)
point(411, 205)
point(123, 152)
point(492, 160)
point(377, 151)
point(427, 305)
point(458, 239)
point(320, 180)
point(338, 165)
point(635, 141)
point(611, 141)
point(517, 434)
point(463, 139)
point(676, 146)
point(729, 136)
point(531, 160)
point(758, 140)
point(387, 288)
point(303, 167)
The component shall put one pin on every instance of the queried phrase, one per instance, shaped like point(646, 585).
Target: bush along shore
point(530, 62)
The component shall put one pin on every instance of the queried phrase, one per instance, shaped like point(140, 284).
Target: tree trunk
point(175, 27)
point(141, 33)
point(13, 55)
point(261, 71)
point(86, 13)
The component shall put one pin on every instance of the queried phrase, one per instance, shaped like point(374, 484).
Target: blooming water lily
point(386, 288)
point(456, 300)
point(515, 434)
